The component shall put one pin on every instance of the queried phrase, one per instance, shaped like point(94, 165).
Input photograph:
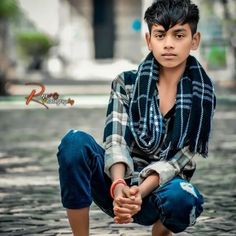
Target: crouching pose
point(158, 124)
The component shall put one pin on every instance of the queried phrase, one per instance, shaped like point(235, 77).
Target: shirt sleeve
point(168, 169)
point(116, 148)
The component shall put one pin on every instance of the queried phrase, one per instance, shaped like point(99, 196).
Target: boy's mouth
point(168, 56)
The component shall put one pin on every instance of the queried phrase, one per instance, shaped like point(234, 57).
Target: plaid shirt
point(120, 145)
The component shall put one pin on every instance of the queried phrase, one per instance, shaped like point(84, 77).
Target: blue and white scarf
point(194, 109)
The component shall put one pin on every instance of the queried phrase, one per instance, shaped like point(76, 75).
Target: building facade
point(99, 30)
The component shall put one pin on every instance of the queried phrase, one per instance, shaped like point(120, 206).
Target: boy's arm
point(116, 148)
point(117, 171)
point(167, 170)
point(149, 184)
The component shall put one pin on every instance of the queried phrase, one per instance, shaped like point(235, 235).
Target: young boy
point(158, 122)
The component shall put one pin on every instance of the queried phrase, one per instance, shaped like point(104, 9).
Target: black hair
point(168, 13)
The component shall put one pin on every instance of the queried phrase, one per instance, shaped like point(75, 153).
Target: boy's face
point(171, 48)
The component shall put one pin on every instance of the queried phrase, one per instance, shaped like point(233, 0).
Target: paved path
point(29, 193)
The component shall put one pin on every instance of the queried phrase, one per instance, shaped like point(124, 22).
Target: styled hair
point(168, 13)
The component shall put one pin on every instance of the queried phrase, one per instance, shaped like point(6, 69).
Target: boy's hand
point(127, 202)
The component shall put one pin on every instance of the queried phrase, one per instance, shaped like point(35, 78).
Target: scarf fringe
point(201, 148)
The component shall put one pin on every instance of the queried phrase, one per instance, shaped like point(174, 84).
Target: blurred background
point(76, 48)
point(58, 41)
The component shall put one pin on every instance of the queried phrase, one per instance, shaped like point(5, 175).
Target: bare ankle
point(159, 229)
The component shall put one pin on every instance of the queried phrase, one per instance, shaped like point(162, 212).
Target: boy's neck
point(171, 76)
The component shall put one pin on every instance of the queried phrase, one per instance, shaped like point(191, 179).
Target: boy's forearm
point(149, 184)
point(117, 171)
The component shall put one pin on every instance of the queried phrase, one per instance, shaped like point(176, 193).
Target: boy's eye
point(159, 36)
point(179, 36)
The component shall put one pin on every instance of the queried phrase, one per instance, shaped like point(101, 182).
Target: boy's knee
point(72, 146)
point(75, 137)
point(181, 203)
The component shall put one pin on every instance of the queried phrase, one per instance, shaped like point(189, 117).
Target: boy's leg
point(81, 216)
point(177, 204)
point(159, 229)
point(81, 164)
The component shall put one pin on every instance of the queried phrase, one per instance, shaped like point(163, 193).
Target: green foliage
point(216, 57)
point(34, 43)
point(8, 8)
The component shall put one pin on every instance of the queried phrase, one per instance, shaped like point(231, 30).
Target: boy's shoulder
point(128, 78)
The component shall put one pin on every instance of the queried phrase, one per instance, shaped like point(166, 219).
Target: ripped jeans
point(82, 180)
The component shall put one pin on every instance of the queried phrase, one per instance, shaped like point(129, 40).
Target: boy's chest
point(167, 98)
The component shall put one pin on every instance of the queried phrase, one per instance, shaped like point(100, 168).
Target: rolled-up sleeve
point(116, 148)
point(167, 170)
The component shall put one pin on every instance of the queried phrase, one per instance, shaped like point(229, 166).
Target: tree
point(34, 45)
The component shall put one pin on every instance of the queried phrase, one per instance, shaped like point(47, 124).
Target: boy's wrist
point(117, 185)
point(118, 190)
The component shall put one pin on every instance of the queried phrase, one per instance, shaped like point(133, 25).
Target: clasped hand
point(127, 202)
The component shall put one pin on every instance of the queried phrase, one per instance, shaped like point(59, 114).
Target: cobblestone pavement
point(29, 192)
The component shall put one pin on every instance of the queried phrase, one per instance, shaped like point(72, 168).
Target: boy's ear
point(148, 41)
point(196, 41)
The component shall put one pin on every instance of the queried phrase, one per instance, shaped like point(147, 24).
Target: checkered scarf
point(194, 108)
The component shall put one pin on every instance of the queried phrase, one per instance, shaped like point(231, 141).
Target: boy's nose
point(168, 43)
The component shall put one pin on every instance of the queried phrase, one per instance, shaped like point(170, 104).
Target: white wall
point(44, 13)
point(76, 33)
point(127, 41)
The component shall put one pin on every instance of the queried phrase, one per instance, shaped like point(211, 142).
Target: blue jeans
point(82, 179)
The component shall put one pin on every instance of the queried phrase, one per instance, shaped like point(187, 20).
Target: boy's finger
point(123, 200)
point(122, 221)
point(134, 190)
point(122, 210)
point(128, 201)
point(126, 191)
point(123, 216)
point(130, 207)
